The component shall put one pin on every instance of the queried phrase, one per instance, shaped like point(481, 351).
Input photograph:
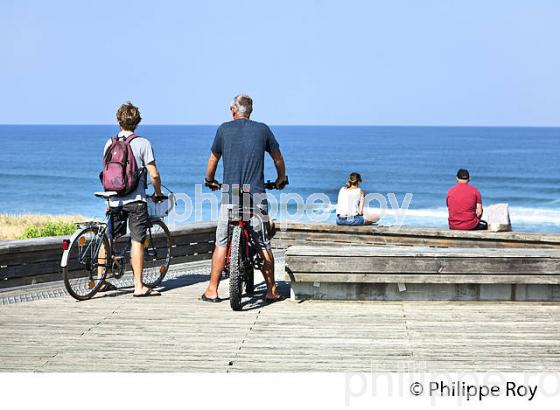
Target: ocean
point(54, 168)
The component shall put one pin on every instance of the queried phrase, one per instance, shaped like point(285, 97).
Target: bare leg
point(218, 265)
point(371, 218)
point(137, 262)
point(268, 274)
point(101, 261)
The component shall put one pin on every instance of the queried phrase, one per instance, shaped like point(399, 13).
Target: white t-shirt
point(144, 154)
point(348, 201)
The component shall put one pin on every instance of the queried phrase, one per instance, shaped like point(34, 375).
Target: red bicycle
point(243, 255)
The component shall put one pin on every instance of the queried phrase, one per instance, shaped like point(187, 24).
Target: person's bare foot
point(274, 298)
point(210, 295)
point(204, 298)
point(145, 291)
point(149, 292)
point(273, 294)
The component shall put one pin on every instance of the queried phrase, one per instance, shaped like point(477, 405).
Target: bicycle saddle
point(105, 195)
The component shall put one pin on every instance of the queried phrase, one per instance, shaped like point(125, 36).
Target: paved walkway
point(176, 332)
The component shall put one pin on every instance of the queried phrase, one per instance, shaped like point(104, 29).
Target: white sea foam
point(519, 216)
point(438, 216)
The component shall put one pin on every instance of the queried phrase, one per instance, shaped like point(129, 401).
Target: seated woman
point(350, 205)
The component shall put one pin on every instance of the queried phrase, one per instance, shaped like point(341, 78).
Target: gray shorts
point(258, 228)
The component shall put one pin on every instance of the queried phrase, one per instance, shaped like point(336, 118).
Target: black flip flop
point(107, 287)
point(149, 292)
point(278, 298)
point(204, 298)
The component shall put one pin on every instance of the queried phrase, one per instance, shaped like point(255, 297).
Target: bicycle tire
point(235, 270)
point(81, 275)
point(249, 279)
point(157, 254)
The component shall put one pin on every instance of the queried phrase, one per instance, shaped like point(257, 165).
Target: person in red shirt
point(465, 205)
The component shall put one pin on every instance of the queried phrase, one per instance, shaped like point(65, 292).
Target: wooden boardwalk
point(176, 332)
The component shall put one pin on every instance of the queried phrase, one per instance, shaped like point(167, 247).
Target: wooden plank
point(193, 238)
point(422, 265)
point(334, 277)
point(63, 335)
point(30, 280)
point(202, 247)
point(24, 261)
point(317, 238)
point(54, 242)
point(413, 252)
point(34, 256)
point(422, 231)
point(317, 233)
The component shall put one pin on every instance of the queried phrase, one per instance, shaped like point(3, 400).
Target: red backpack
point(120, 171)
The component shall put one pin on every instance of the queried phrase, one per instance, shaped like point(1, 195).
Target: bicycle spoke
point(87, 264)
point(157, 254)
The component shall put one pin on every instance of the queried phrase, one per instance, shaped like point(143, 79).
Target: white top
point(348, 201)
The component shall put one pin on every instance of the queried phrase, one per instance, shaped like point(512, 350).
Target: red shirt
point(461, 203)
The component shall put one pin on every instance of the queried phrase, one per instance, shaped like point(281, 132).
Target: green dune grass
point(24, 226)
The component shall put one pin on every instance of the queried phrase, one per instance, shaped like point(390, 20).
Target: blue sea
point(54, 169)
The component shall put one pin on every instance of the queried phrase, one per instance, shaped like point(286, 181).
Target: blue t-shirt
point(242, 145)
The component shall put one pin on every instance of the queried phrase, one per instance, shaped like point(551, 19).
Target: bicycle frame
point(106, 230)
point(250, 251)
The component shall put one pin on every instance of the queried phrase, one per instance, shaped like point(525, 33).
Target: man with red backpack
point(127, 159)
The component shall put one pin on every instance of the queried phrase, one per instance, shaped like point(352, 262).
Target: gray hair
point(244, 105)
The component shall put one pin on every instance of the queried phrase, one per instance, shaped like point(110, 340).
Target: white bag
point(498, 218)
point(161, 209)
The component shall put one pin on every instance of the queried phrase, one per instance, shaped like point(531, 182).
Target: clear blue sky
point(304, 62)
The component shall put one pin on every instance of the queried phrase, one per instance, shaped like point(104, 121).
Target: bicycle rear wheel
point(87, 266)
point(157, 254)
point(235, 269)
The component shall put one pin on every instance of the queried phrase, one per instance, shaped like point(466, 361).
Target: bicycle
point(99, 251)
point(243, 255)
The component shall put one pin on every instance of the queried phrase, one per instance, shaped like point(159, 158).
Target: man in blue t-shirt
point(242, 144)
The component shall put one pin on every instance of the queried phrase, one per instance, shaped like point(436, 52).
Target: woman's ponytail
point(353, 180)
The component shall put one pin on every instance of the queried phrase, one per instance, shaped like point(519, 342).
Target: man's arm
point(154, 176)
point(211, 170)
point(479, 210)
point(212, 166)
point(280, 166)
point(478, 204)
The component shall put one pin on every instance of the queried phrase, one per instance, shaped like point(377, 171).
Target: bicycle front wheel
point(86, 265)
point(157, 254)
point(249, 278)
point(235, 269)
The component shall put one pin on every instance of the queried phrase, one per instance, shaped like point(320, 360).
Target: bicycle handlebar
point(159, 198)
point(212, 184)
point(270, 185)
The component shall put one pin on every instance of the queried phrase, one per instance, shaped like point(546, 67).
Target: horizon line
point(296, 125)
